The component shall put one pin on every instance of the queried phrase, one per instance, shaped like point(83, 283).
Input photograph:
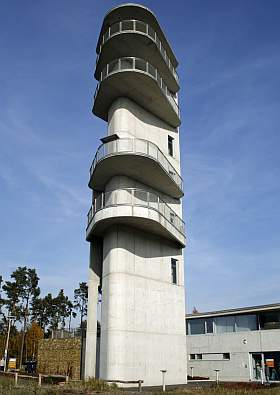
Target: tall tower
point(135, 225)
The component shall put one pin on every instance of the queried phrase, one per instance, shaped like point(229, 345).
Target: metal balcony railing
point(137, 27)
point(132, 63)
point(136, 197)
point(138, 147)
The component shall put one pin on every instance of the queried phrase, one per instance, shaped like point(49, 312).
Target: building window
point(192, 356)
point(226, 355)
point(197, 327)
point(246, 323)
point(170, 146)
point(174, 270)
point(209, 325)
point(198, 356)
point(269, 320)
point(225, 324)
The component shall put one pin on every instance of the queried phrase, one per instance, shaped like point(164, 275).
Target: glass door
point(257, 364)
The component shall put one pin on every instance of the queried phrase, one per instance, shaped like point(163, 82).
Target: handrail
point(137, 146)
point(133, 63)
point(133, 25)
point(136, 197)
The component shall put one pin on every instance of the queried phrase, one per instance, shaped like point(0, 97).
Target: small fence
point(38, 378)
point(41, 376)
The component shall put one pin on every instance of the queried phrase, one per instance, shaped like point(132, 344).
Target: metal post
point(40, 380)
point(16, 379)
point(140, 385)
point(191, 371)
point(262, 380)
point(217, 375)
point(163, 379)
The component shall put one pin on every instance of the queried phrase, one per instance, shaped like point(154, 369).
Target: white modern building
point(242, 344)
point(135, 225)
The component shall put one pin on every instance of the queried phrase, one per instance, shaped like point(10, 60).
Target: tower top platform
point(138, 12)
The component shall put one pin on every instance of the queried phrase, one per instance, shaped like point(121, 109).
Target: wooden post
point(40, 380)
point(16, 378)
point(67, 379)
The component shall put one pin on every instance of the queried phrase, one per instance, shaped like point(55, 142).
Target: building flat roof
point(242, 310)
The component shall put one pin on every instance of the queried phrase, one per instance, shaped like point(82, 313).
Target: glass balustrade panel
point(141, 26)
point(109, 198)
point(98, 203)
point(126, 63)
point(153, 150)
point(106, 35)
point(113, 66)
point(124, 145)
point(115, 29)
point(140, 146)
point(153, 201)
point(140, 198)
point(151, 32)
point(111, 148)
point(140, 64)
point(125, 196)
point(152, 70)
point(126, 25)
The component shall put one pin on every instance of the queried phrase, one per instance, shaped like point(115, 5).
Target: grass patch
point(93, 386)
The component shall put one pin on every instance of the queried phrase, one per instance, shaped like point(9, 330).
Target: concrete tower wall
point(130, 120)
point(127, 119)
point(142, 326)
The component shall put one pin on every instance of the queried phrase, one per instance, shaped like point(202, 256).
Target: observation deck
point(139, 159)
point(140, 39)
point(137, 208)
point(141, 82)
point(138, 12)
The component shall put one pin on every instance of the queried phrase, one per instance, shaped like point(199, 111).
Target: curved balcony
point(137, 208)
point(139, 12)
point(125, 38)
point(136, 158)
point(140, 81)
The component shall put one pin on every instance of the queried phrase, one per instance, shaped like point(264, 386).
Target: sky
point(230, 107)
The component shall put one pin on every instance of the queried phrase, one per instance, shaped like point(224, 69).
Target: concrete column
point(93, 283)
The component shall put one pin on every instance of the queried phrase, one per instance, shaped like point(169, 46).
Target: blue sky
point(230, 103)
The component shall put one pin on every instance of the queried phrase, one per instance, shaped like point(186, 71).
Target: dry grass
point(98, 386)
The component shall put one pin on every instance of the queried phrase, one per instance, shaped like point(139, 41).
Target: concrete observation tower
point(135, 225)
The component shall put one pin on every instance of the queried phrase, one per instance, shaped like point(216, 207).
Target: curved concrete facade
point(135, 225)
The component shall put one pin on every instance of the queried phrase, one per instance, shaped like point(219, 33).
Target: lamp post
point(10, 318)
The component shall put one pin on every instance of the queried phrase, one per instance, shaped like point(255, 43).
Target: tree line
point(35, 316)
